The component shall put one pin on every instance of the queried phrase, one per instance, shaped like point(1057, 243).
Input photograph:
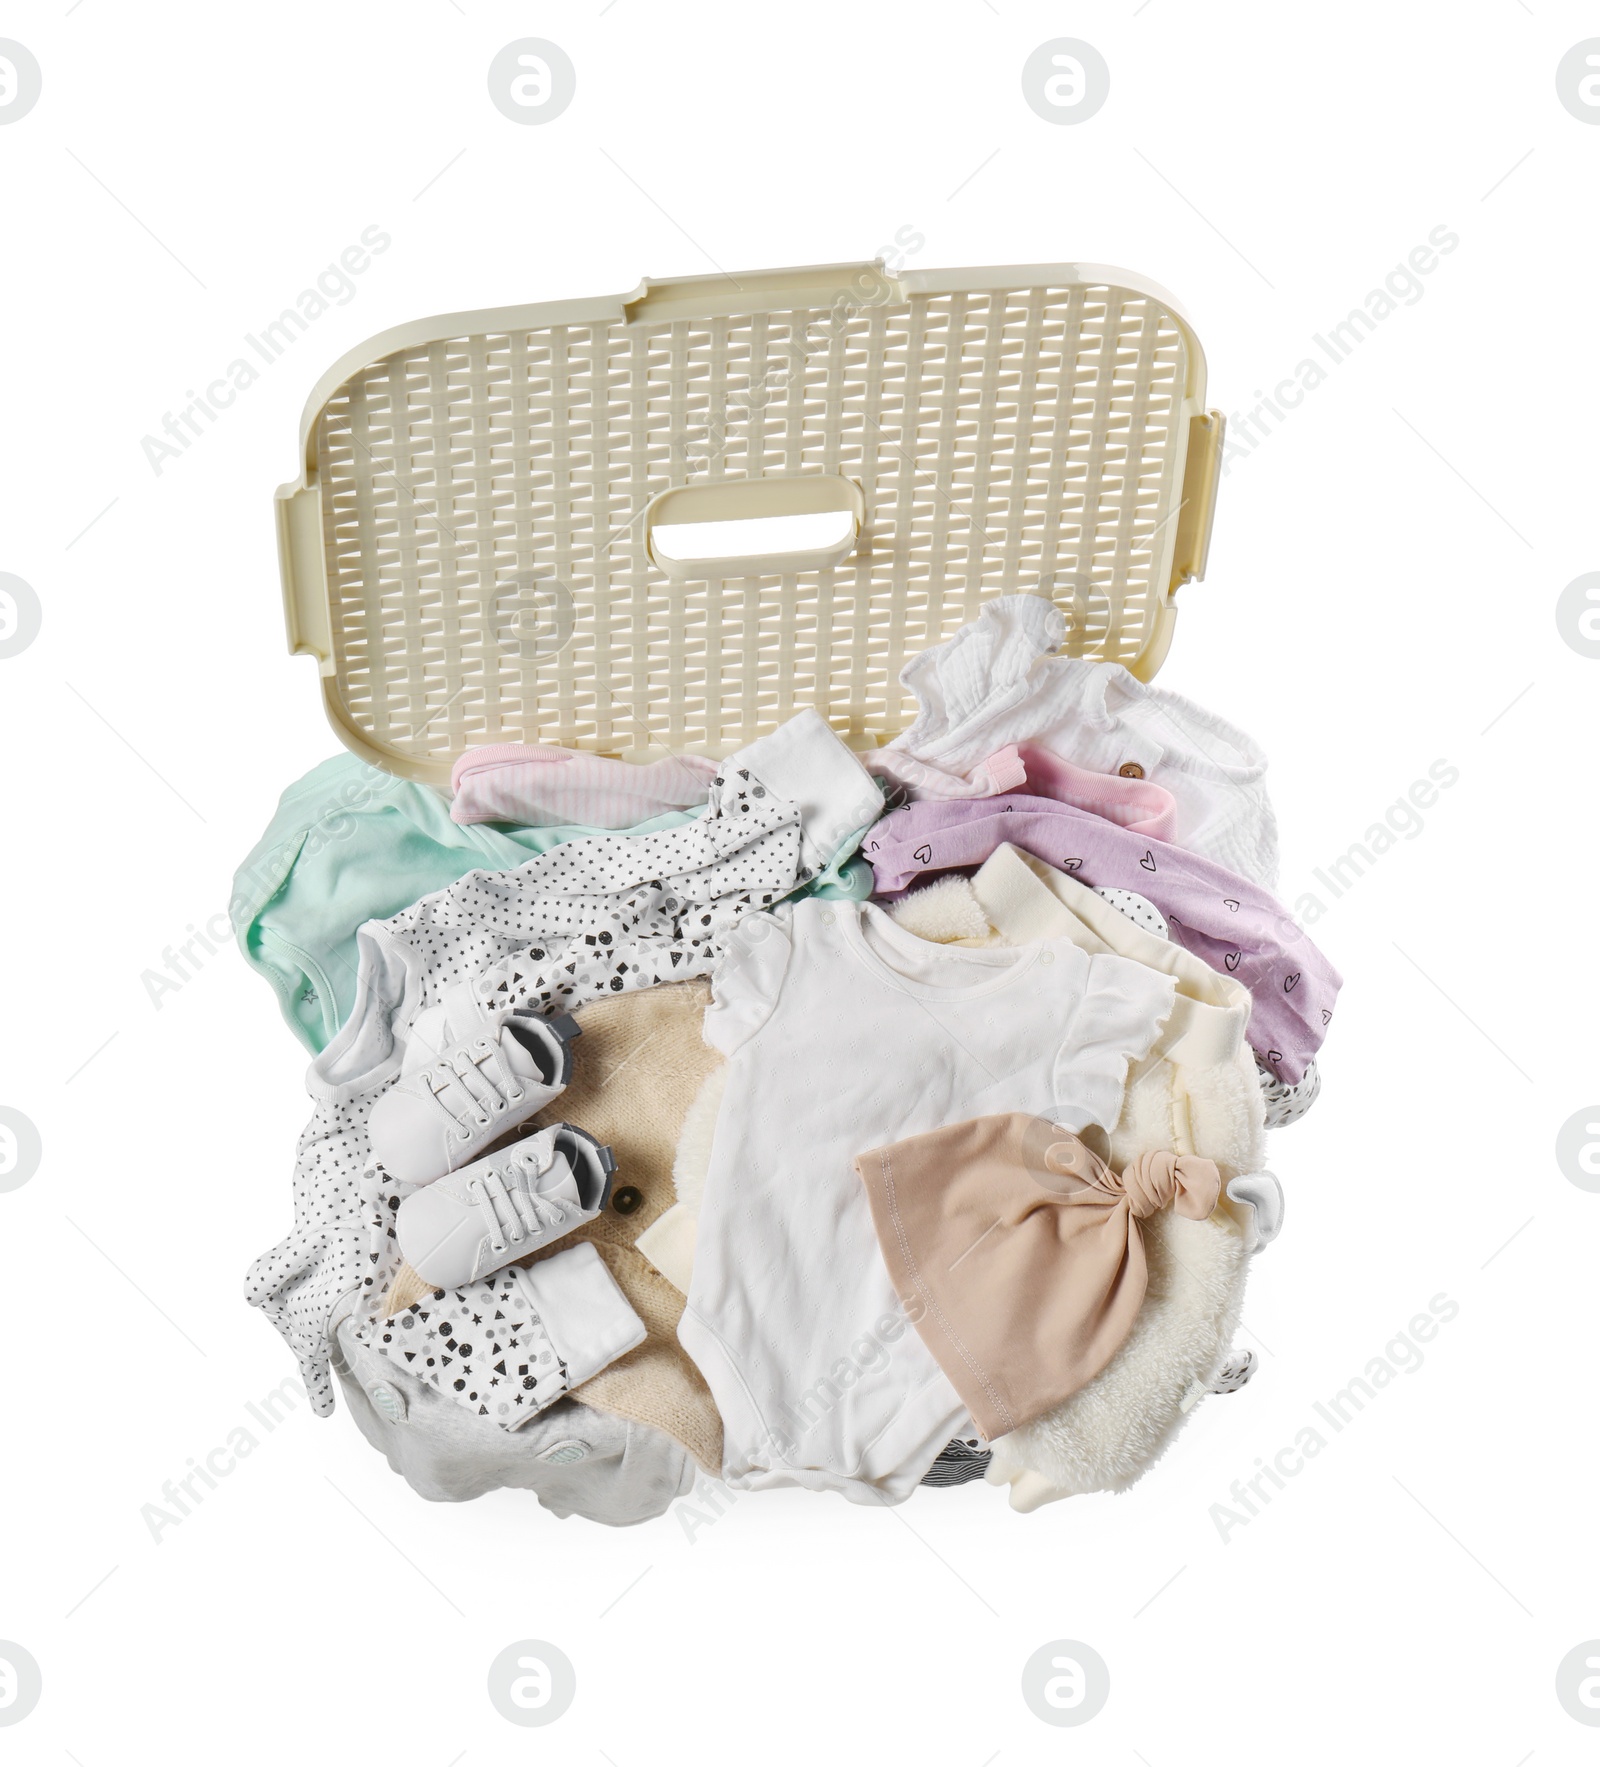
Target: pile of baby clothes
point(801, 1118)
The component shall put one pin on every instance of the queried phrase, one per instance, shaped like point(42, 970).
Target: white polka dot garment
point(596, 916)
point(600, 915)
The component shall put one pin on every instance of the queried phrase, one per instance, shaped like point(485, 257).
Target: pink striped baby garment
point(542, 787)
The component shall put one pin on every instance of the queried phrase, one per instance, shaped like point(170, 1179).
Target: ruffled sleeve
point(1124, 1006)
point(747, 981)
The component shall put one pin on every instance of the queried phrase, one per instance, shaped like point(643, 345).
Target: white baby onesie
point(844, 1031)
point(997, 682)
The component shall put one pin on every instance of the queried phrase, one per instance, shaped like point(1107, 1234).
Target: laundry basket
point(665, 521)
point(671, 523)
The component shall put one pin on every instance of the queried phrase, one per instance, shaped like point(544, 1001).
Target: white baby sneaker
point(472, 1222)
point(445, 1113)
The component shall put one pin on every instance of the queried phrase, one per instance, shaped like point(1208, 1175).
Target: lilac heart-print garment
point(1227, 921)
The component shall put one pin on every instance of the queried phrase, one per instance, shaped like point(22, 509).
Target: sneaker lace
point(513, 1212)
point(472, 1085)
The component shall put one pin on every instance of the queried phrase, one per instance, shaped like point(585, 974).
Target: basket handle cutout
point(754, 527)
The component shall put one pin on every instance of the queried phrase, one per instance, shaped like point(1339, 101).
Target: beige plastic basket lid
point(666, 521)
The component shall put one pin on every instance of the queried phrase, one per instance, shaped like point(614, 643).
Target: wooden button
point(1130, 770)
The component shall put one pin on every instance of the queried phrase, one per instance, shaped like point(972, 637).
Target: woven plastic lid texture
point(473, 552)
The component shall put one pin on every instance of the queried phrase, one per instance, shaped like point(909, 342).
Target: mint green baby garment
point(350, 844)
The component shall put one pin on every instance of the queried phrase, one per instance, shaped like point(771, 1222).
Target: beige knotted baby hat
point(1017, 1252)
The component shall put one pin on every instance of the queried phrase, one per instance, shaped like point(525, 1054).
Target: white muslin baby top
point(844, 1031)
point(999, 681)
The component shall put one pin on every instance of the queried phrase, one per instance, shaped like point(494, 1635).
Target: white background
point(1381, 595)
